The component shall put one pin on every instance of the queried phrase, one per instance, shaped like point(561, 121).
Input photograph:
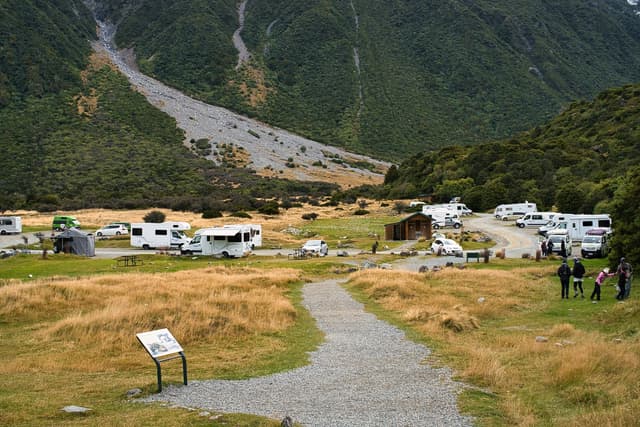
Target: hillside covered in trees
point(74, 135)
point(387, 78)
point(575, 162)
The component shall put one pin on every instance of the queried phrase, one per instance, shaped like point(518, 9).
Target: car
point(446, 222)
point(112, 230)
point(557, 237)
point(318, 247)
point(446, 247)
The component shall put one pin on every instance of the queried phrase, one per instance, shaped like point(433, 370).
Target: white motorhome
point(10, 224)
point(535, 219)
point(578, 225)
point(228, 241)
point(461, 208)
point(256, 233)
point(149, 235)
point(442, 210)
point(514, 210)
point(557, 219)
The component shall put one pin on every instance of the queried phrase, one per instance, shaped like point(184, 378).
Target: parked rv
point(256, 233)
point(595, 243)
point(536, 219)
point(10, 224)
point(557, 219)
point(149, 235)
point(578, 225)
point(514, 210)
point(64, 222)
point(228, 242)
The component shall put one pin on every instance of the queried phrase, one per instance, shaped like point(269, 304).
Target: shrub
point(269, 208)
point(211, 213)
point(241, 214)
point(310, 216)
point(154, 216)
point(361, 212)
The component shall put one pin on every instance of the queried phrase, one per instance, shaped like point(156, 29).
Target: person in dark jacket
point(578, 275)
point(564, 272)
point(624, 274)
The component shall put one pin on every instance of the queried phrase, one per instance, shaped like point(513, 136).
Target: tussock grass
point(585, 374)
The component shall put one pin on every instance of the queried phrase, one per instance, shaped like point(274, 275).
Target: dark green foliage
point(624, 212)
point(42, 46)
point(211, 213)
point(361, 212)
point(154, 216)
point(310, 216)
point(572, 163)
point(269, 208)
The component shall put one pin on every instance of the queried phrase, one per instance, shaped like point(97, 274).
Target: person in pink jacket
point(601, 276)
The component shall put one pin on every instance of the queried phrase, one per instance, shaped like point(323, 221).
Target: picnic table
point(129, 261)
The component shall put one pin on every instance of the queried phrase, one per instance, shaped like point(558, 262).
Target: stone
point(541, 339)
point(481, 300)
point(134, 392)
point(73, 409)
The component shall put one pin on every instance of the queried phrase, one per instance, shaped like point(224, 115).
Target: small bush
point(211, 213)
point(361, 212)
point(154, 216)
point(269, 208)
point(310, 216)
point(240, 214)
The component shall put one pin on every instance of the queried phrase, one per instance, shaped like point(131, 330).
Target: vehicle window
point(235, 238)
point(136, 231)
point(604, 223)
point(219, 238)
point(587, 223)
point(161, 232)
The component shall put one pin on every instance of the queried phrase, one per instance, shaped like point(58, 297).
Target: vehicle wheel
point(521, 225)
point(436, 226)
point(146, 247)
point(456, 225)
point(117, 233)
point(225, 254)
point(187, 253)
point(99, 234)
point(3, 232)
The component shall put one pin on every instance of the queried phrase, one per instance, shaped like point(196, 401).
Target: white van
point(514, 210)
point(256, 233)
point(228, 241)
point(10, 224)
point(535, 219)
point(556, 237)
point(150, 235)
point(595, 243)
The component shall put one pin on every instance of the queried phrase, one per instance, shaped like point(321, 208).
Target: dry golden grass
point(272, 225)
point(100, 315)
point(580, 376)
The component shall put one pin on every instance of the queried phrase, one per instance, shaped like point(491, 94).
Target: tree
point(626, 241)
point(154, 216)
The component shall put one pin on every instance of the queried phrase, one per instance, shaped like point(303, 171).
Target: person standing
point(543, 247)
point(578, 275)
point(624, 274)
point(564, 272)
point(563, 249)
point(550, 247)
point(374, 247)
point(601, 276)
point(627, 288)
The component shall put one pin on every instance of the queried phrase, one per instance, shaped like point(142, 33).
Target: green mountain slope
point(74, 135)
point(431, 73)
point(574, 162)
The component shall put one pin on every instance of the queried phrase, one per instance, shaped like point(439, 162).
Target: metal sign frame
point(162, 347)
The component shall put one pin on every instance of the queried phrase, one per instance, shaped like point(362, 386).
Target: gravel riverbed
point(366, 373)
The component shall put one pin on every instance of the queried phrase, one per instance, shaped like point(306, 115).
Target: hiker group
point(623, 287)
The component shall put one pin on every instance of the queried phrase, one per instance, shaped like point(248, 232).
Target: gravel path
point(366, 373)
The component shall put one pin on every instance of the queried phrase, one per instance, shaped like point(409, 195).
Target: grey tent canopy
point(73, 241)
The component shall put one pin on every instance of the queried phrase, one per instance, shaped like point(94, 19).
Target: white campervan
point(228, 241)
point(256, 233)
point(578, 225)
point(514, 210)
point(535, 219)
point(10, 224)
point(149, 235)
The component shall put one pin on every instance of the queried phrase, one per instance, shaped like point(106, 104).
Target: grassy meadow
point(586, 374)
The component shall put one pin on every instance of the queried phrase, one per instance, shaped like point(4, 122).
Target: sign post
point(162, 346)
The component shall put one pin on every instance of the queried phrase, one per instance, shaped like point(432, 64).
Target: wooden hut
point(413, 227)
